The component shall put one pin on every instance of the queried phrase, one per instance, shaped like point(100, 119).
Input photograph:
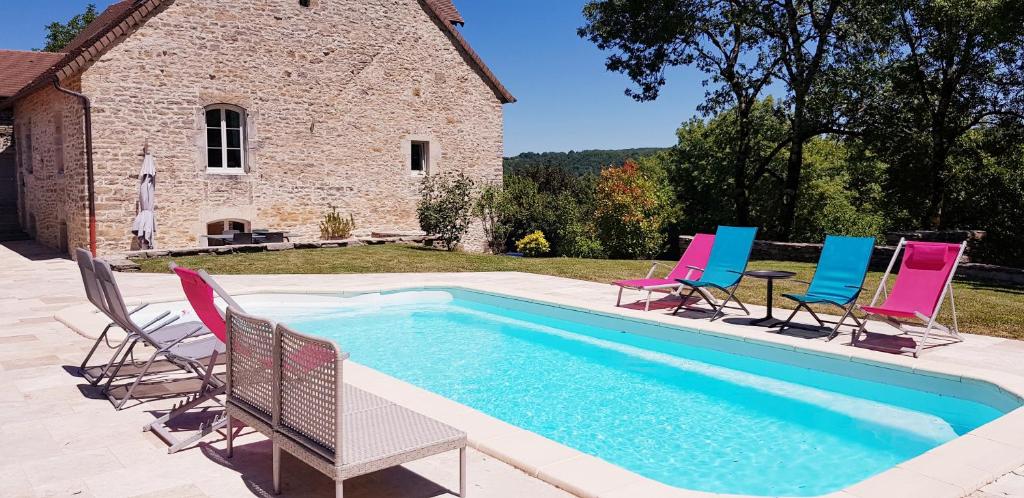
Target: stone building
point(260, 114)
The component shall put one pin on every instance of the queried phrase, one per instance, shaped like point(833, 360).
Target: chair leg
point(647, 307)
point(95, 346)
point(682, 303)
point(618, 300)
point(462, 472)
point(821, 323)
point(128, 394)
point(785, 323)
point(740, 303)
point(835, 330)
point(339, 489)
point(231, 436)
point(277, 469)
point(120, 363)
point(720, 311)
point(860, 330)
point(110, 363)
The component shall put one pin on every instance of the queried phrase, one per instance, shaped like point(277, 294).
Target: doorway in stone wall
point(10, 228)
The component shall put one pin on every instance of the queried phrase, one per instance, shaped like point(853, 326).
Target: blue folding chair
point(728, 261)
point(838, 280)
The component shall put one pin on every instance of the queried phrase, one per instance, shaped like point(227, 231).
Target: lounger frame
point(931, 324)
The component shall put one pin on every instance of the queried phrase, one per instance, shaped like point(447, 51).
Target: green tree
point(58, 35)
point(445, 207)
point(720, 38)
point(842, 192)
point(953, 66)
point(492, 209)
point(632, 207)
point(822, 46)
point(700, 173)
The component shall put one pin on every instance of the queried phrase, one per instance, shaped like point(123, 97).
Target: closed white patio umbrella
point(144, 226)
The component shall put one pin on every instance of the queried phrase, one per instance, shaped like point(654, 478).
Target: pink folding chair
point(925, 278)
point(199, 289)
point(689, 267)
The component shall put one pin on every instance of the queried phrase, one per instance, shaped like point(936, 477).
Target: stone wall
point(54, 201)
point(333, 94)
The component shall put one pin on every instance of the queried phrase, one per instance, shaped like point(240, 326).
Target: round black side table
point(771, 276)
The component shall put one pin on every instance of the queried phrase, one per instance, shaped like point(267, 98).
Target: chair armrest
point(800, 281)
point(654, 266)
point(138, 308)
point(157, 319)
point(695, 268)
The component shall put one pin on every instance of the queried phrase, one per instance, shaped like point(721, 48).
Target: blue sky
point(567, 101)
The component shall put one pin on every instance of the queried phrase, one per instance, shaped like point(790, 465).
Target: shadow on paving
point(32, 251)
point(253, 463)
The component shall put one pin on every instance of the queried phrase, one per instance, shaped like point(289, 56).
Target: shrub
point(579, 240)
point(632, 208)
point(533, 245)
point(492, 209)
point(334, 226)
point(445, 207)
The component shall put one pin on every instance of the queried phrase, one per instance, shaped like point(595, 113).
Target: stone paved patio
point(58, 440)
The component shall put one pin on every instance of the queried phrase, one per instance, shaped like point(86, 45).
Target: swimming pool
point(652, 401)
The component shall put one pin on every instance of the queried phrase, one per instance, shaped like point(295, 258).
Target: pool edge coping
point(956, 468)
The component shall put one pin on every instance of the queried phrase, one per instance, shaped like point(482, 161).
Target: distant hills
point(579, 162)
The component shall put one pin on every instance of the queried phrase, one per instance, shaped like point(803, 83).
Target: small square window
point(419, 157)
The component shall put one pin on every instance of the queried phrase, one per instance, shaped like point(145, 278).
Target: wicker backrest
point(251, 372)
point(311, 390)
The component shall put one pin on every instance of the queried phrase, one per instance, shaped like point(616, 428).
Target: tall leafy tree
point(718, 37)
point(58, 34)
point(822, 46)
point(954, 66)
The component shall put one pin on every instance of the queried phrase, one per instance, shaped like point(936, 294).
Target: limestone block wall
point(53, 206)
point(333, 95)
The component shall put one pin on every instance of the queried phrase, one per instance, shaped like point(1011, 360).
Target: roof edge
point(78, 59)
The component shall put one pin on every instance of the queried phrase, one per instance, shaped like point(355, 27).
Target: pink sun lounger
point(925, 278)
point(200, 290)
point(696, 256)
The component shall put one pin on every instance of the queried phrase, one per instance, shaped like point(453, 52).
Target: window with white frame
point(225, 139)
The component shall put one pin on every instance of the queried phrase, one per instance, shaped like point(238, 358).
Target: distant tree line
point(837, 115)
point(577, 162)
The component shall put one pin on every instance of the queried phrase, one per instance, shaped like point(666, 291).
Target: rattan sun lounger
point(306, 409)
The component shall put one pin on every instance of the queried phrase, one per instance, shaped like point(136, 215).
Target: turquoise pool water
point(690, 417)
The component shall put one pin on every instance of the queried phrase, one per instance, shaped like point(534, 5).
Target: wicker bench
point(288, 386)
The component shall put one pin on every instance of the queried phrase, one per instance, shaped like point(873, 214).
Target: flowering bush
point(445, 208)
point(632, 207)
point(533, 245)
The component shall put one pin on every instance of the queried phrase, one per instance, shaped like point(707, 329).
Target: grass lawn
point(983, 309)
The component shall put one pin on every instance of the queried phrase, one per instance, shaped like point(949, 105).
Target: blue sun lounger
point(728, 261)
point(837, 280)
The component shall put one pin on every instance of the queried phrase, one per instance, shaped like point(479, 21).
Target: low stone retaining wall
point(809, 253)
point(127, 263)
